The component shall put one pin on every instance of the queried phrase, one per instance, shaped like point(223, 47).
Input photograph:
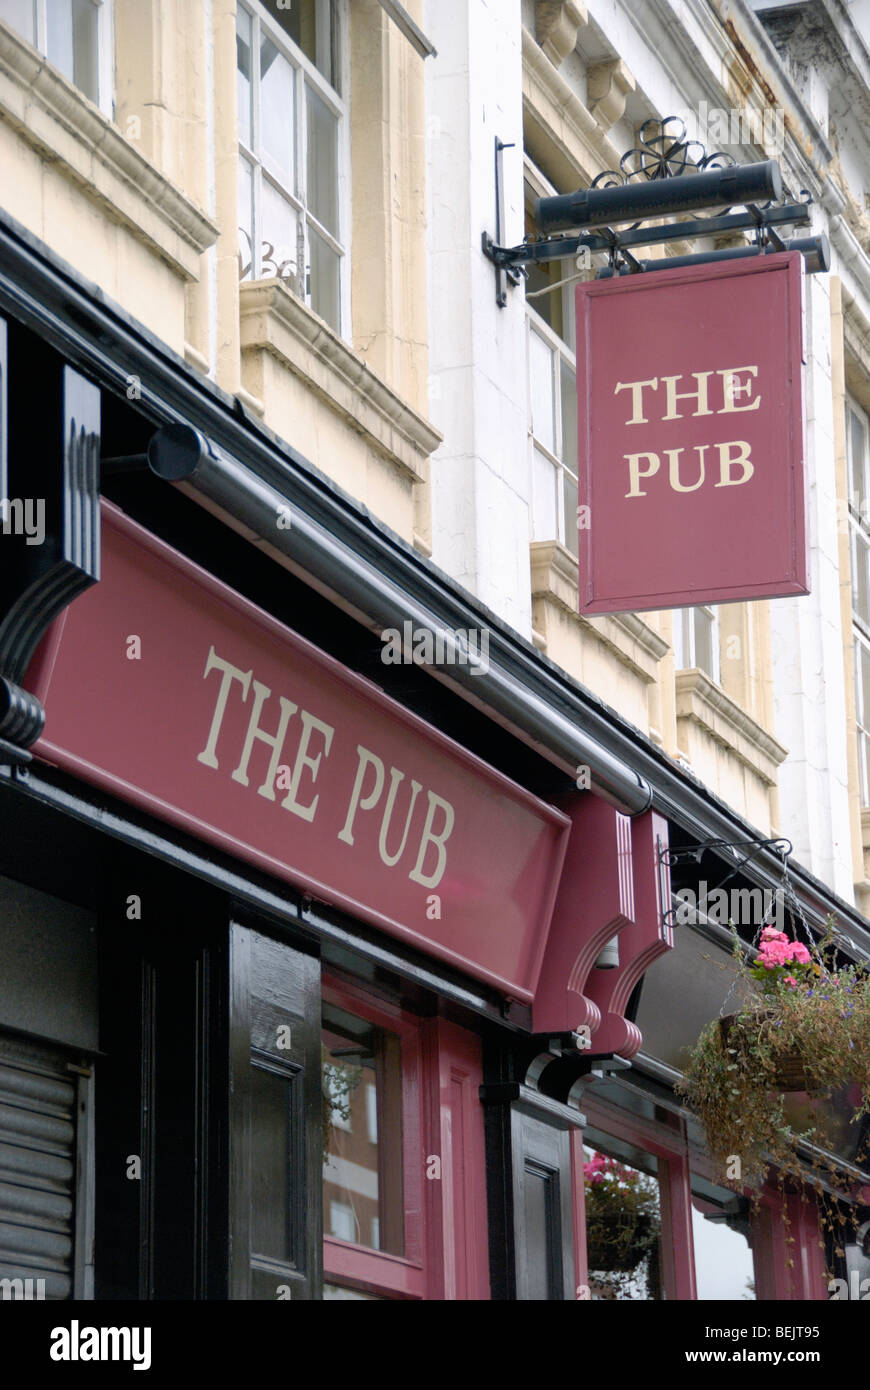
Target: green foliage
point(337, 1082)
point(810, 1015)
point(622, 1216)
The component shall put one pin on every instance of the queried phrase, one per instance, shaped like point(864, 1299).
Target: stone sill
point(702, 701)
point(555, 578)
point(71, 133)
point(274, 320)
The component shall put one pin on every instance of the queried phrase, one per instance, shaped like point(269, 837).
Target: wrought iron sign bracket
point(658, 177)
point(694, 853)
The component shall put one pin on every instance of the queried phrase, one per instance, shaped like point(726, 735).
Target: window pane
point(246, 220)
point(279, 235)
point(362, 1168)
point(569, 416)
point(860, 578)
point(18, 14)
point(243, 70)
point(857, 460)
point(864, 685)
point(59, 36)
point(704, 638)
point(85, 47)
point(311, 24)
point(271, 1138)
point(337, 1292)
point(277, 122)
point(542, 402)
point(623, 1223)
point(724, 1267)
point(322, 162)
point(324, 280)
point(545, 517)
point(569, 487)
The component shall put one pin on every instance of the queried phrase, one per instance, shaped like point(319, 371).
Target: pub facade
point(338, 951)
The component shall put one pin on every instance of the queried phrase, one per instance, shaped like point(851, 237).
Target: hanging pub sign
point(691, 435)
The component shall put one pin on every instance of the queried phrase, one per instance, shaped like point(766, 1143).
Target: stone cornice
point(705, 703)
point(274, 320)
point(74, 136)
point(632, 641)
point(570, 129)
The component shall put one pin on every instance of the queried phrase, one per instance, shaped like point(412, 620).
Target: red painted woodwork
point(641, 941)
point(278, 763)
point(612, 885)
point(670, 514)
point(596, 900)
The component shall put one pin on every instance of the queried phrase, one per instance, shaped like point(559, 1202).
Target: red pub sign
point(168, 689)
point(691, 435)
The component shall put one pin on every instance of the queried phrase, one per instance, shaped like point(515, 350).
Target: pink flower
point(790, 980)
point(771, 934)
point(800, 953)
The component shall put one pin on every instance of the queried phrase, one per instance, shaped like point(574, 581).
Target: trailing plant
point(622, 1220)
point(803, 1025)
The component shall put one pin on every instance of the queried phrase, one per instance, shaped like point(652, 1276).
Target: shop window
point(696, 640)
point(858, 457)
point(372, 1146)
point(552, 378)
point(74, 35)
point(722, 1243)
point(293, 207)
point(623, 1225)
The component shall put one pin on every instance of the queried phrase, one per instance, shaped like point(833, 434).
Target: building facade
point(336, 909)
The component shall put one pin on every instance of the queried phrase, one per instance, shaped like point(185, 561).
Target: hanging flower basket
point(804, 1026)
point(622, 1218)
point(617, 1243)
point(791, 1071)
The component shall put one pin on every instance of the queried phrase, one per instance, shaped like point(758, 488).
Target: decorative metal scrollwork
point(663, 153)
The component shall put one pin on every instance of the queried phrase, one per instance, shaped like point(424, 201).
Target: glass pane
point(18, 14)
point(243, 72)
point(857, 460)
point(311, 24)
point(704, 637)
point(541, 382)
point(59, 36)
point(322, 162)
point(569, 488)
point(277, 113)
point(278, 246)
point(325, 264)
point(864, 685)
point(545, 517)
point(246, 221)
point(569, 415)
point(623, 1223)
point(270, 1145)
point(362, 1163)
point(337, 1292)
point(860, 580)
point(85, 47)
point(724, 1267)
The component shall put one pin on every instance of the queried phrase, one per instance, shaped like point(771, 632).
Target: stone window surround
point(71, 133)
point(274, 320)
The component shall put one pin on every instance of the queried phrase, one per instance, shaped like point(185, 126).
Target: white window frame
point(105, 49)
point(859, 534)
point(262, 22)
point(685, 640)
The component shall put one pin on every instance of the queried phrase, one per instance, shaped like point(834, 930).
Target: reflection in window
point(724, 1266)
point(362, 1139)
point(623, 1227)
